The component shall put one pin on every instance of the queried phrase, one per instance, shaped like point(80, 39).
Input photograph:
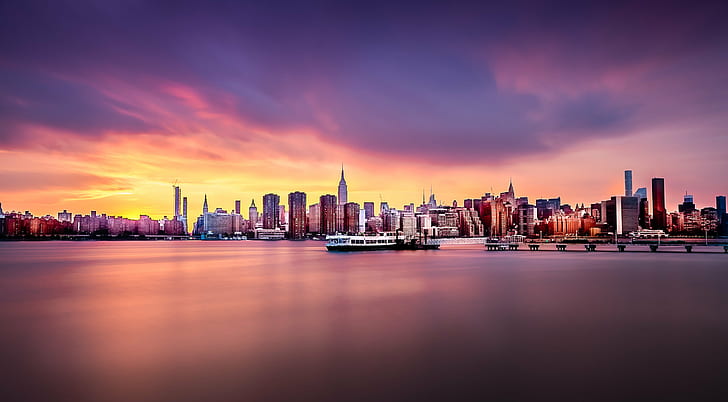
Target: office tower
point(64, 216)
point(644, 218)
point(468, 203)
point(432, 203)
point(408, 224)
point(205, 215)
point(659, 213)
point(368, 209)
point(297, 215)
point(253, 214)
point(343, 191)
point(622, 214)
point(340, 218)
point(328, 214)
point(314, 218)
point(720, 206)
point(547, 207)
point(688, 205)
point(271, 211)
point(184, 213)
point(351, 217)
point(641, 192)
point(282, 215)
point(362, 221)
point(177, 195)
point(627, 183)
point(237, 207)
point(526, 219)
point(383, 207)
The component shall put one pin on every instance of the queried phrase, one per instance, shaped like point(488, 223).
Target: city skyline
point(225, 99)
point(177, 209)
point(492, 214)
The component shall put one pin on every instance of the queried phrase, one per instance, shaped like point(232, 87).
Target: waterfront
point(287, 320)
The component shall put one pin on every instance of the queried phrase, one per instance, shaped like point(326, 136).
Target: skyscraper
point(205, 215)
point(297, 215)
point(368, 209)
point(314, 218)
point(659, 213)
point(237, 207)
point(184, 213)
point(351, 217)
point(253, 214)
point(270, 211)
point(722, 217)
point(627, 183)
point(343, 191)
point(177, 195)
point(327, 205)
point(622, 214)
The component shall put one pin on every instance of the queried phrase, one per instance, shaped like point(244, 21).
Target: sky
point(105, 104)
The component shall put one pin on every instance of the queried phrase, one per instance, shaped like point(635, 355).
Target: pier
point(618, 248)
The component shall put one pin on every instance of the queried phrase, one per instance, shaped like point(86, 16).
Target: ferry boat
point(381, 241)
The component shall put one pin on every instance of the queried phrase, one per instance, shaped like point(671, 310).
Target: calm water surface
point(130, 321)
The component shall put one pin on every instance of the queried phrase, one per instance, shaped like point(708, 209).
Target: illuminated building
point(297, 215)
point(271, 219)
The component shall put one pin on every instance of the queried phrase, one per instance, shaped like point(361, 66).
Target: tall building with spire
point(343, 191)
point(253, 215)
point(205, 214)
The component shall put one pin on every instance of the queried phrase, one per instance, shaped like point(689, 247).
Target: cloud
point(417, 82)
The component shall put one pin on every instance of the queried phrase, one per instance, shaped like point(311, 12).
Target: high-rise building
point(64, 216)
point(644, 213)
point(351, 217)
point(622, 214)
point(627, 183)
point(659, 213)
point(327, 205)
point(368, 209)
point(271, 211)
point(184, 214)
point(343, 191)
point(282, 220)
point(253, 215)
point(641, 192)
point(383, 207)
point(688, 205)
point(340, 218)
point(547, 207)
point(722, 217)
point(237, 207)
point(177, 196)
point(314, 218)
point(205, 213)
point(297, 215)
point(526, 219)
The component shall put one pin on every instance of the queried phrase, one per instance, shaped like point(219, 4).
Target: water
point(130, 321)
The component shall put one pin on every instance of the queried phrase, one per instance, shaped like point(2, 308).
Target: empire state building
point(343, 193)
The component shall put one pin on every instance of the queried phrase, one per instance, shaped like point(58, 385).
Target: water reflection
point(265, 321)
